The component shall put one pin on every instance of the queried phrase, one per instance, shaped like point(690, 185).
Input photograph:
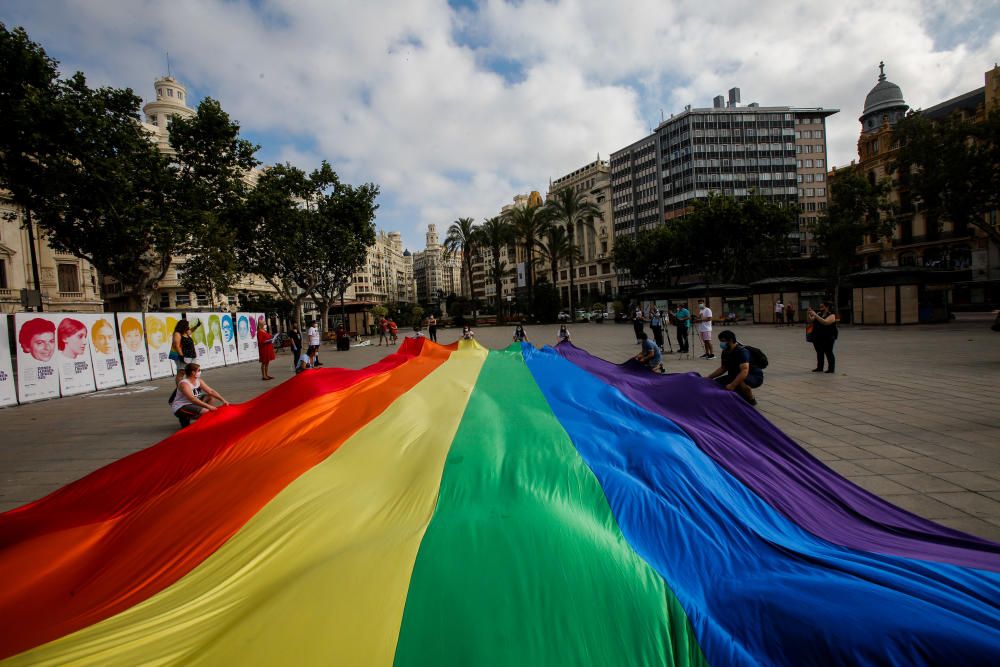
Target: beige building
point(67, 283)
point(595, 278)
point(436, 272)
point(387, 275)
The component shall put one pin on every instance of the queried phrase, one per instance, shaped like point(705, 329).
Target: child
point(519, 335)
point(467, 333)
point(563, 335)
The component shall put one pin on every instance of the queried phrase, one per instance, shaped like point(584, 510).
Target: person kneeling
point(736, 373)
point(193, 397)
point(649, 356)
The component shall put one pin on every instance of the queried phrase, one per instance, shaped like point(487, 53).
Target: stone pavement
point(911, 414)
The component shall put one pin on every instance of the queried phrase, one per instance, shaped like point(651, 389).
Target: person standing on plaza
point(789, 314)
point(650, 354)
point(314, 341)
point(432, 327)
point(182, 349)
point(705, 328)
point(638, 321)
point(563, 335)
point(265, 349)
point(736, 373)
point(296, 339)
point(383, 330)
point(779, 313)
point(393, 331)
point(519, 334)
point(682, 320)
point(656, 324)
point(824, 334)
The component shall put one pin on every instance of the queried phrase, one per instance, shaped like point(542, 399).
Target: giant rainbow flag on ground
point(453, 505)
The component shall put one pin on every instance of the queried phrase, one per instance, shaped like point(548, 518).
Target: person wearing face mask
point(824, 333)
point(736, 373)
point(704, 320)
point(193, 397)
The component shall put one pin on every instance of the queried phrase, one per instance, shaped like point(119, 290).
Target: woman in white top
point(193, 397)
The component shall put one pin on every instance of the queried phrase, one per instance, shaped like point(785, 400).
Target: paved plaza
point(910, 415)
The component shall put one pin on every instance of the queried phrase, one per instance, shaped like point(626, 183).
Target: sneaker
point(711, 356)
point(704, 356)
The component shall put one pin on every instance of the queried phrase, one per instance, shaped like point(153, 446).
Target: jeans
point(658, 335)
point(824, 348)
point(682, 339)
point(433, 330)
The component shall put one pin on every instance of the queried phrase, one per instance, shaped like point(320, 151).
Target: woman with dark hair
point(520, 336)
point(37, 337)
point(824, 333)
point(182, 349)
point(193, 397)
point(71, 337)
point(736, 373)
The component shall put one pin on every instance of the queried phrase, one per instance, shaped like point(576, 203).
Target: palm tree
point(495, 234)
point(527, 223)
point(570, 208)
point(462, 238)
point(555, 248)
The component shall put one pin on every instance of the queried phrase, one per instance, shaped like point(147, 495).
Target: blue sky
point(455, 107)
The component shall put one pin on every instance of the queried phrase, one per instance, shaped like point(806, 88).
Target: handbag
point(809, 333)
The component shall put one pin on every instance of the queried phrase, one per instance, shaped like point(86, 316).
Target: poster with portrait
point(37, 360)
point(246, 340)
point(134, 355)
point(229, 339)
point(199, 327)
point(159, 331)
point(104, 350)
point(8, 391)
point(214, 343)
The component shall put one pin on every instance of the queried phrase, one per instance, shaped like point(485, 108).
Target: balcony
point(8, 293)
point(70, 295)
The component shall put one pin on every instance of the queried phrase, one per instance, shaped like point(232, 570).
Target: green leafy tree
point(555, 248)
point(856, 208)
point(653, 256)
point(527, 224)
point(571, 209)
point(735, 241)
point(461, 238)
point(952, 168)
point(494, 235)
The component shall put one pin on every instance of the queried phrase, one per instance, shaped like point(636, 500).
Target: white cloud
point(388, 93)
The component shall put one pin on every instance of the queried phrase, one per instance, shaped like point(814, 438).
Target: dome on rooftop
point(885, 95)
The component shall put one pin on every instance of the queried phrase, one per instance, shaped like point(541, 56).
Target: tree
point(527, 224)
point(652, 257)
point(571, 208)
point(952, 168)
point(855, 210)
point(735, 241)
point(555, 248)
point(461, 238)
point(495, 234)
point(344, 230)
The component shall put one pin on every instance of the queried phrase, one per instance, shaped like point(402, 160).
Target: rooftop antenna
point(661, 114)
point(168, 63)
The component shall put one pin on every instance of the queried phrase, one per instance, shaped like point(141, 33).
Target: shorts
point(313, 349)
point(705, 335)
point(174, 357)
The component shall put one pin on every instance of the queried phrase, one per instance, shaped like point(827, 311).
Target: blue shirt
point(681, 314)
point(650, 346)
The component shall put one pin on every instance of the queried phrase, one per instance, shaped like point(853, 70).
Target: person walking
point(193, 397)
point(779, 313)
point(705, 329)
point(432, 327)
point(736, 373)
point(314, 341)
point(824, 334)
point(265, 349)
point(296, 339)
point(656, 324)
point(637, 323)
point(383, 330)
point(682, 320)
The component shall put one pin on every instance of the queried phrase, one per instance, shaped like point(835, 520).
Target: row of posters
point(61, 354)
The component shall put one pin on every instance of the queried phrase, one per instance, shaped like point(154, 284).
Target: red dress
point(265, 350)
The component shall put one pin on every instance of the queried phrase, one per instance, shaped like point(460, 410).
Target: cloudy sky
point(454, 107)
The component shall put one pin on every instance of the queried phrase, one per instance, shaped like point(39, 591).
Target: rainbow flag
point(459, 506)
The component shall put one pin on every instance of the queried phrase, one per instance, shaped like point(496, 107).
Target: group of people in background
point(784, 313)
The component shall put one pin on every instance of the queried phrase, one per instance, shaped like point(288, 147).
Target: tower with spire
point(170, 101)
point(884, 104)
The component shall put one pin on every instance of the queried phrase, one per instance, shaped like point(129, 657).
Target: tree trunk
point(498, 285)
point(572, 257)
point(325, 309)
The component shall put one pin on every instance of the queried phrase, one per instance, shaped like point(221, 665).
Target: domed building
point(884, 104)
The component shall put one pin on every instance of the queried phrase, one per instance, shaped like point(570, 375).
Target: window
point(807, 134)
point(809, 163)
point(809, 178)
point(818, 134)
point(69, 278)
point(593, 270)
point(202, 298)
point(164, 299)
point(170, 92)
point(820, 163)
point(159, 92)
point(820, 178)
point(182, 299)
point(562, 274)
point(810, 192)
point(3, 274)
point(820, 192)
point(153, 119)
point(180, 95)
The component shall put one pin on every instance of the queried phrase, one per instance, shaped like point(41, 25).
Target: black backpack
point(757, 357)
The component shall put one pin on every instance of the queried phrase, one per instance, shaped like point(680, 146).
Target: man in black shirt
point(296, 339)
point(736, 373)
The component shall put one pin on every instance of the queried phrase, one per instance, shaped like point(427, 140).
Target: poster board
point(76, 368)
point(159, 332)
point(37, 361)
point(246, 341)
point(135, 357)
point(8, 390)
point(104, 350)
point(208, 339)
point(229, 351)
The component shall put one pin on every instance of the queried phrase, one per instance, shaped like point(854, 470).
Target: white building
point(436, 272)
point(387, 275)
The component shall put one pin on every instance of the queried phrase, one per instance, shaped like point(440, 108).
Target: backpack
point(757, 357)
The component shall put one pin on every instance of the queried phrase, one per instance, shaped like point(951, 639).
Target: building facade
point(436, 273)
point(595, 280)
point(387, 275)
point(778, 152)
point(918, 241)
